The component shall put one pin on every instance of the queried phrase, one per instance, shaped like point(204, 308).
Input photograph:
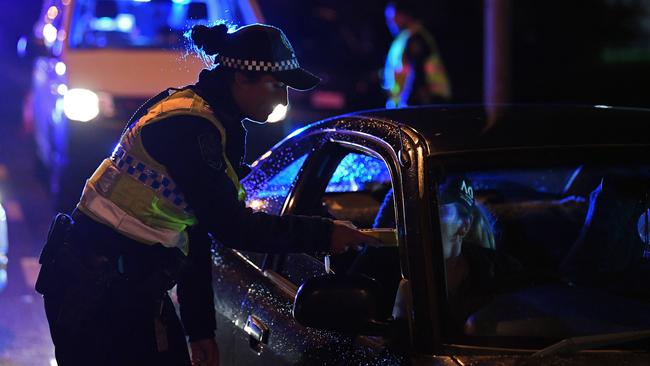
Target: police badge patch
point(210, 145)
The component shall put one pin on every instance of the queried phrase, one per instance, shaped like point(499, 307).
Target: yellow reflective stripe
point(107, 212)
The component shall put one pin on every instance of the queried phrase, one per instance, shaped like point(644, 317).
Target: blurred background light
point(52, 12)
point(81, 105)
point(125, 22)
point(60, 68)
point(49, 33)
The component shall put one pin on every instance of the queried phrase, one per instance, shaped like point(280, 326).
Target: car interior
point(579, 244)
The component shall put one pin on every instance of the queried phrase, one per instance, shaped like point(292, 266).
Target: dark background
point(577, 51)
point(560, 51)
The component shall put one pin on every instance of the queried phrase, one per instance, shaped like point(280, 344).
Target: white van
point(96, 62)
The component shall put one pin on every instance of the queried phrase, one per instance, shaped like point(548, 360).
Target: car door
point(344, 181)
point(235, 273)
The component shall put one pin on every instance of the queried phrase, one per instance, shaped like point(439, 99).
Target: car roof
point(453, 128)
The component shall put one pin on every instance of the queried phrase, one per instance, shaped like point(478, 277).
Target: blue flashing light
point(21, 47)
point(181, 2)
point(125, 22)
point(104, 24)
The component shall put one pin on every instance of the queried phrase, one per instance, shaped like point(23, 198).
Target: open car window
point(358, 189)
point(535, 265)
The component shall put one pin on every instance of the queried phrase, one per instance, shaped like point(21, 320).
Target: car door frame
point(403, 152)
point(420, 256)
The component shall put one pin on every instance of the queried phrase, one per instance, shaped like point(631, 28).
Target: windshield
point(542, 250)
point(133, 23)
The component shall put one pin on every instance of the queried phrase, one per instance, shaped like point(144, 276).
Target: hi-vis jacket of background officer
point(134, 194)
point(413, 63)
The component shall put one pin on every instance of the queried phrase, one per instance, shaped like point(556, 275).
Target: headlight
point(80, 105)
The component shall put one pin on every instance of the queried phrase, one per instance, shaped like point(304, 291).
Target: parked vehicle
point(558, 247)
point(95, 63)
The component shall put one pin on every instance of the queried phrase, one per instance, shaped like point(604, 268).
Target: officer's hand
point(345, 235)
point(205, 352)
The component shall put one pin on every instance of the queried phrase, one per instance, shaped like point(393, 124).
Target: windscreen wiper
point(575, 344)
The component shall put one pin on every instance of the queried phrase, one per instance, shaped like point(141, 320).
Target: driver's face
point(455, 221)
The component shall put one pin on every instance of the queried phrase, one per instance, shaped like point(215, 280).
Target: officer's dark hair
point(209, 42)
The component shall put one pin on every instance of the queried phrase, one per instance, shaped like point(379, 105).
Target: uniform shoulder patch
point(210, 145)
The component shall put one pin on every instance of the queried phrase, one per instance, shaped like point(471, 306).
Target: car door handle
point(258, 333)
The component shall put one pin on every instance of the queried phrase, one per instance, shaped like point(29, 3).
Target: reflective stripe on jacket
point(134, 194)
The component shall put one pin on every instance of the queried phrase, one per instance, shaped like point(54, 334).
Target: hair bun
point(210, 39)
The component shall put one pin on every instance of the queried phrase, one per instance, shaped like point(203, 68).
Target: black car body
point(564, 194)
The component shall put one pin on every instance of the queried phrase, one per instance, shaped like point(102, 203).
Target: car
point(95, 63)
point(553, 258)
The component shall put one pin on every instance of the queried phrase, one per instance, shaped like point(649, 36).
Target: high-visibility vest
point(134, 194)
point(398, 74)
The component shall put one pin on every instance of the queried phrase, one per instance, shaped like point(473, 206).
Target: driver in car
point(474, 267)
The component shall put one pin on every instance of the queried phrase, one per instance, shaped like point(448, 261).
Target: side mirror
point(343, 303)
point(32, 47)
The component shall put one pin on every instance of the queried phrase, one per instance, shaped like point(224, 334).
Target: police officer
point(147, 215)
point(414, 73)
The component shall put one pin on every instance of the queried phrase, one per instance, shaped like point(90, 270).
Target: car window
point(269, 196)
point(359, 190)
point(273, 175)
point(530, 264)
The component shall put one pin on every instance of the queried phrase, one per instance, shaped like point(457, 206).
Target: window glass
point(358, 172)
point(269, 195)
point(525, 261)
point(356, 190)
point(269, 183)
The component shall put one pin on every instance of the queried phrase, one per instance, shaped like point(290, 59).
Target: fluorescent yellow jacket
point(134, 194)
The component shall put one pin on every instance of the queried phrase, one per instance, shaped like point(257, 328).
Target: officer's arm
point(417, 51)
point(192, 152)
point(195, 288)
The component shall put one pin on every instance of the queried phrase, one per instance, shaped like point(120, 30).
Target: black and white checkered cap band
point(253, 65)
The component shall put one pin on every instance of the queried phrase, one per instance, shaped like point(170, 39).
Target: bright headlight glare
point(278, 114)
point(80, 105)
point(49, 33)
